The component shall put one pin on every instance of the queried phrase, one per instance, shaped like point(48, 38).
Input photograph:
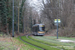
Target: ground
point(9, 43)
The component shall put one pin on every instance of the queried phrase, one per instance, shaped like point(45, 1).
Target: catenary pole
point(57, 21)
point(13, 19)
point(18, 17)
point(57, 28)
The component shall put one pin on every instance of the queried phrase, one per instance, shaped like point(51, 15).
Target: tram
point(38, 29)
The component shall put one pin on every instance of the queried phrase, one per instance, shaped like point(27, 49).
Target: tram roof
point(38, 24)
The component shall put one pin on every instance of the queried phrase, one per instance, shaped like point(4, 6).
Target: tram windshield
point(42, 28)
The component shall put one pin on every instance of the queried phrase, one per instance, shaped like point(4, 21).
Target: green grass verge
point(50, 39)
point(53, 37)
point(49, 43)
point(28, 46)
point(39, 44)
point(54, 40)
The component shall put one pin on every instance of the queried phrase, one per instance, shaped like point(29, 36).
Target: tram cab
point(38, 29)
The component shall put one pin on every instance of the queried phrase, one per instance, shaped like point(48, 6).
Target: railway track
point(37, 41)
point(30, 43)
point(44, 43)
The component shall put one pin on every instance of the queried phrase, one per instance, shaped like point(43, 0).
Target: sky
point(37, 4)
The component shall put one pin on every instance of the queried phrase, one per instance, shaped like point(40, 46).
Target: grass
point(52, 44)
point(4, 45)
point(53, 37)
point(9, 43)
point(1, 48)
point(39, 44)
point(54, 40)
point(65, 38)
point(50, 39)
point(28, 46)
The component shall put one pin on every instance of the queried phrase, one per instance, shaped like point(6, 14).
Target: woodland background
point(44, 11)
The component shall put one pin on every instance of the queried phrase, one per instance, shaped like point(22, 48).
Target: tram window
point(33, 29)
point(36, 29)
point(42, 28)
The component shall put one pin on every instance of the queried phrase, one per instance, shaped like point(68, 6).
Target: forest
point(28, 13)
